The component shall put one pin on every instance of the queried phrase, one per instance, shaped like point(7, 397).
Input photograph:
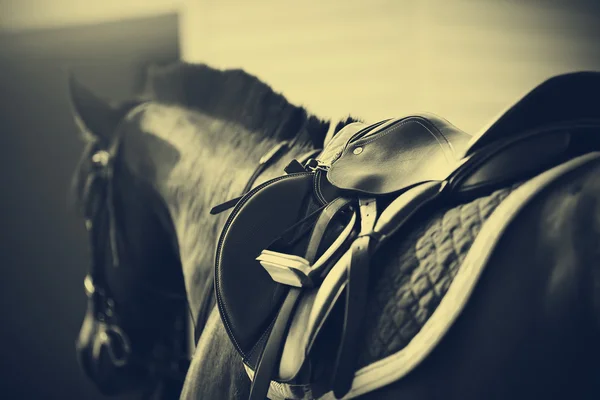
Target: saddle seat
point(292, 262)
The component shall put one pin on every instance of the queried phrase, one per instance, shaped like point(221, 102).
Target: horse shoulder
point(216, 371)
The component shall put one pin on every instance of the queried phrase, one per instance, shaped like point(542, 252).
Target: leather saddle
point(292, 262)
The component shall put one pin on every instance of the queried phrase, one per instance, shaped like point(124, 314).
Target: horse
point(529, 329)
point(135, 308)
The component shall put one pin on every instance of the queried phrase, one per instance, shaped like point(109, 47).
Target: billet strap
point(356, 299)
point(272, 351)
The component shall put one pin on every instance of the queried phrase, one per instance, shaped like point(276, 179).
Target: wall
point(43, 244)
point(18, 15)
point(465, 60)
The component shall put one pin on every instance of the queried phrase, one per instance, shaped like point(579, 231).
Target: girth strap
point(356, 299)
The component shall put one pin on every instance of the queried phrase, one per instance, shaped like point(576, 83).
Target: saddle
point(292, 262)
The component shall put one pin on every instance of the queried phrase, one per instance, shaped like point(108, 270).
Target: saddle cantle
point(292, 262)
point(560, 100)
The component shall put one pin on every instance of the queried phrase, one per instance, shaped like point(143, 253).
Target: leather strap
point(272, 351)
point(321, 226)
point(356, 299)
point(273, 348)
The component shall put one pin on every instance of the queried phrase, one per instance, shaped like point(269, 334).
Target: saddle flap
point(258, 220)
point(399, 154)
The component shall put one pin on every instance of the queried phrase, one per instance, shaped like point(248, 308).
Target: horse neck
point(215, 159)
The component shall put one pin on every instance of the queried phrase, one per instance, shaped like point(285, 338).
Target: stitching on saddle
point(316, 184)
point(444, 136)
point(388, 130)
point(317, 188)
point(393, 128)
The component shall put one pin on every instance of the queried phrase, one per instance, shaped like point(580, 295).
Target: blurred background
point(464, 60)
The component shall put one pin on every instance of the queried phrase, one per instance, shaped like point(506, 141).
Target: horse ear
point(94, 116)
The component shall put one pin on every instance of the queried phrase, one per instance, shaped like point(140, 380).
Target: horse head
point(133, 331)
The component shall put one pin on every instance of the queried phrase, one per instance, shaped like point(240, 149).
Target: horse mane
point(232, 95)
point(236, 96)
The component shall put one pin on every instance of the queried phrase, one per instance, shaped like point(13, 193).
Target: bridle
point(167, 360)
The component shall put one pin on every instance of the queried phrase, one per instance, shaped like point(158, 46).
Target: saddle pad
point(389, 352)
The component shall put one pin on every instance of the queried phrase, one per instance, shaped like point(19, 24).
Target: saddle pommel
point(389, 157)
